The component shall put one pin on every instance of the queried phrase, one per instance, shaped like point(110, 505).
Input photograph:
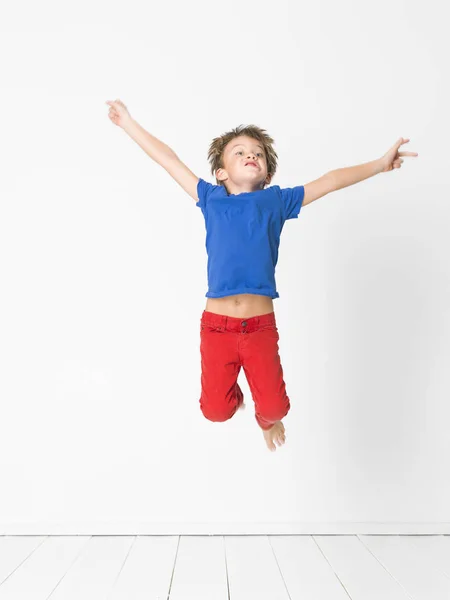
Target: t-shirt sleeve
point(204, 190)
point(292, 200)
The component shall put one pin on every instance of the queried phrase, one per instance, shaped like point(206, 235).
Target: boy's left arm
point(339, 178)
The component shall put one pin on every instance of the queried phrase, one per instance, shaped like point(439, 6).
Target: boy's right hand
point(118, 113)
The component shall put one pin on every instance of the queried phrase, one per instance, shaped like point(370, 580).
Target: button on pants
point(226, 345)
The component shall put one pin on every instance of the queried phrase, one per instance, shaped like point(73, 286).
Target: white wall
point(103, 269)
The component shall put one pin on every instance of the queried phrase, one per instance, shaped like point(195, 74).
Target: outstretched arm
point(160, 152)
point(339, 178)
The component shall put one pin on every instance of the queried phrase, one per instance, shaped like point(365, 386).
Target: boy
point(244, 222)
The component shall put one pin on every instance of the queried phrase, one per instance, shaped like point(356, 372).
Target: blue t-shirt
point(243, 236)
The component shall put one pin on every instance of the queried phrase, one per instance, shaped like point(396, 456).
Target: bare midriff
point(241, 306)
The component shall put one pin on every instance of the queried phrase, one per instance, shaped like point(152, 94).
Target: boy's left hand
point(391, 160)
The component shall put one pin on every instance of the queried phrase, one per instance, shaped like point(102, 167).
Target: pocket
point(204, 328)
point(269, 327)
point(270, 331)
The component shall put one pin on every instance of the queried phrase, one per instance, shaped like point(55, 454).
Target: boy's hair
point(217, 147)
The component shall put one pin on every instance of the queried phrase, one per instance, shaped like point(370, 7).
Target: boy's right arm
point(164, 156)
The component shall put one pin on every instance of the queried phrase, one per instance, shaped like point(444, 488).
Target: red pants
point(226, 345)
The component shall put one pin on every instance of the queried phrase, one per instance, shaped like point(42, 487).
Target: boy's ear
point(220, 174)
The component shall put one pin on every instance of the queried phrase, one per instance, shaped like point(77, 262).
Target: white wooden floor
point(319, 567)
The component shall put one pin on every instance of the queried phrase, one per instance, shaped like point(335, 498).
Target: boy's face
point(237, 174)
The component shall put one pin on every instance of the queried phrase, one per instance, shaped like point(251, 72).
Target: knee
point(217, 413)
point(276, 411)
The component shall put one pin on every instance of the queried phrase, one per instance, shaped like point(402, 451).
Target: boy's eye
point(260, 153)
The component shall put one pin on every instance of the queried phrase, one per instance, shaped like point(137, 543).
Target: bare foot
point(242, 406)
point(274, 434)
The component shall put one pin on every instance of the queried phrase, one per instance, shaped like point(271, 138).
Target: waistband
point(226, 323)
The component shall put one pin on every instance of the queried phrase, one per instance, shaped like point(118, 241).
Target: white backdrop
point(103, 269)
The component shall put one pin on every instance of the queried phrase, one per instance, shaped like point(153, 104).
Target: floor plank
point(93, 574)
point(435, 548)
point(253, 572)
point(406, 564)
point(14, 550)
point(362, 575)
point(305, 570)
point(148, 569)
point(200, 569)
point(37, 576)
